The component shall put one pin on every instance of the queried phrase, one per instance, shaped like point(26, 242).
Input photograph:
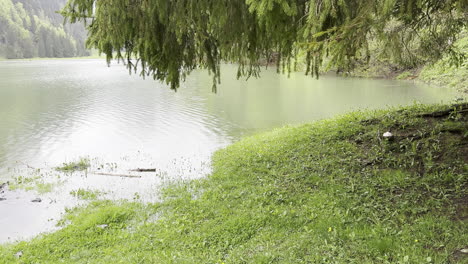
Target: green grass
point(80, 165)
point(86, 194)
point(333, 191)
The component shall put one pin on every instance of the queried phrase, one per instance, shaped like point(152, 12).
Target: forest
point(32, 28)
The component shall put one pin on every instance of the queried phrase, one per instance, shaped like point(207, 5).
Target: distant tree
point(48, 43)
point(41, 48)
point(3, 30)
point(11, 45)
point(27, 48)
point(171, 38)
point(33, 26)
point(57, 47)
point(69, 49)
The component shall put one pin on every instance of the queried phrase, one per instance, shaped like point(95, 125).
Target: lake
point(57, 111)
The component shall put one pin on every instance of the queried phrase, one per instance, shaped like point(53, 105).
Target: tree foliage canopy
point(170, 38)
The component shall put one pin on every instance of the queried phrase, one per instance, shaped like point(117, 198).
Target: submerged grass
point(24, 183)
point(32, 183)
point(86, 194)
point(80, 165)
point(333, 191)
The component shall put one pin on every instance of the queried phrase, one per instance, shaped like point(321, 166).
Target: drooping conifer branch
point(169, 39)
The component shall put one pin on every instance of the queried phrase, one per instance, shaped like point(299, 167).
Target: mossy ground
point(333, 191)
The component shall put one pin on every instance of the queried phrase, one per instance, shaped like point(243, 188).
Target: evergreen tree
point(33, 26)
point(41, 51)
point(27, 48)
point(171, 38)
point(48, 43)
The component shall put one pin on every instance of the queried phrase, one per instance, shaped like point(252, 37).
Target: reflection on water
point(58, 111)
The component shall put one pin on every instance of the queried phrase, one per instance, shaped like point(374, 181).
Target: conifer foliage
point(167, 39)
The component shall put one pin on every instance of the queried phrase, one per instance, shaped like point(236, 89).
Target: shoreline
point(277, 196)
point(40, 59)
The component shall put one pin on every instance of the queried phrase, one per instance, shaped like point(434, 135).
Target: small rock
point(102, 226)
point(37, 200)
point(19, 254)
point(2, 199)
point(464, 250)
point(387, 134)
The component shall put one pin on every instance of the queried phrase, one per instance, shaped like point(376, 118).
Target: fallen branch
point(29, 166)
point(443, 113)
point(144, 170)
point(459, 108)
point(115, 175)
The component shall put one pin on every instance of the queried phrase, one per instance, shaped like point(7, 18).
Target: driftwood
point(144, 170)
point(115, 175)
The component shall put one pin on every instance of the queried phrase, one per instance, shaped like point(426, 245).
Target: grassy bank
point(334, 191)
point(442, 73)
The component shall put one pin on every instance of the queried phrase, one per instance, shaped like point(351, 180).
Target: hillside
point(32, 28)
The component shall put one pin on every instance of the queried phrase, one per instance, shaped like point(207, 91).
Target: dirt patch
point(461, 208)
point(458, 256)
